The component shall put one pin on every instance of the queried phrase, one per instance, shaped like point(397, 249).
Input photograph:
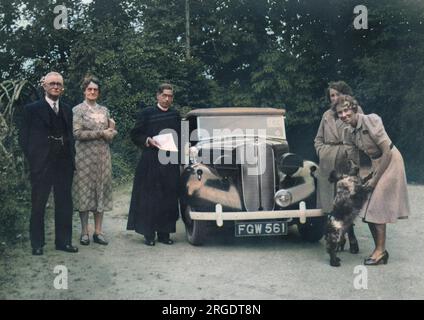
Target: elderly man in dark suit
point(47, 141)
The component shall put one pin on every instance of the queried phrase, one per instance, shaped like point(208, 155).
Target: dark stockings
point(84, 222)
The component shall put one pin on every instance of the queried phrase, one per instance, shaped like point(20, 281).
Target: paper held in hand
point(166, 142)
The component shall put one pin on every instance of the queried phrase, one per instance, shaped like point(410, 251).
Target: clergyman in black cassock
point(154, 200)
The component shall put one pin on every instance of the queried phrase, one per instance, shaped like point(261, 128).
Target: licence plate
point(260, 228)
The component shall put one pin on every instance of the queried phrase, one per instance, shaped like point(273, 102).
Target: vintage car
point(240, 172)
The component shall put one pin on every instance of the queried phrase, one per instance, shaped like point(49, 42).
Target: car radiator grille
point(258, 176)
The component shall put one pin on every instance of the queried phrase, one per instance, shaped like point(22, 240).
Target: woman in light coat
point(332, 153)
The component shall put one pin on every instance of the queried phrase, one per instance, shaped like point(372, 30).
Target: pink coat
point(389, 200)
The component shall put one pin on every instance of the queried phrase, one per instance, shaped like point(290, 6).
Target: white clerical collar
point(162, 108)
point(50, 102)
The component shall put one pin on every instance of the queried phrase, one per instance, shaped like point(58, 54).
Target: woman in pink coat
point(388, 198)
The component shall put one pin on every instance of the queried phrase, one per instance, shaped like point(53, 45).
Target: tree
point(14, 195)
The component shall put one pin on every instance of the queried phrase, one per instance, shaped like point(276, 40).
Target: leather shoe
point(100, 239)
point(166, 241)
point(85, 240)
point(384, 259)
point(37, 251)
point(67, 248)
point(149, 242)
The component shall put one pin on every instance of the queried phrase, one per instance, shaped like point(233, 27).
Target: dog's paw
point(335, 262)
point(354, 248)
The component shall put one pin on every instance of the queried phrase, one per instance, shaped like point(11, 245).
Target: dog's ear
point(361, 193)
point(334, 176)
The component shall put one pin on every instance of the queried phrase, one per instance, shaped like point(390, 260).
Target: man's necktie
point(55, 108)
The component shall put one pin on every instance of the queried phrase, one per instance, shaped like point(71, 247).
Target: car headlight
point(289, 163)
point(283, 198)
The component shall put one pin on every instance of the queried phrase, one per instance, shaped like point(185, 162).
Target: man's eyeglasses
point(55, 84)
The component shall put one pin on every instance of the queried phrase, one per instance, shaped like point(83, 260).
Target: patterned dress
point(92, 188)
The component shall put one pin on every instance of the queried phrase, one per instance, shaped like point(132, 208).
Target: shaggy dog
point(350, 196)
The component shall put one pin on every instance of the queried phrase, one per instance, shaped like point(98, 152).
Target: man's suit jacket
point(34, 133)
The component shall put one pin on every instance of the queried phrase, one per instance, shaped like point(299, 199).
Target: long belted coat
point(389, 200)
point(333, 154)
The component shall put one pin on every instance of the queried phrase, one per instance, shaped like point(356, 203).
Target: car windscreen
point(232, 126)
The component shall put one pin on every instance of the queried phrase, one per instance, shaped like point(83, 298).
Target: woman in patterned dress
point(388, 198)
point(93, 132)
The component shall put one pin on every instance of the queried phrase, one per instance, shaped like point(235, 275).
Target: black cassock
point(154, 199)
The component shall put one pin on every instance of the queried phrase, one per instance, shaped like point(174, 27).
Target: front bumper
point(302, 213)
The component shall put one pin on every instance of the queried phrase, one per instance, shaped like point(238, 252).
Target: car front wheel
point(313, 230)
point(195, 229)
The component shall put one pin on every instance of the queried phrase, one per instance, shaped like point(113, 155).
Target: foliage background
point(242, 53)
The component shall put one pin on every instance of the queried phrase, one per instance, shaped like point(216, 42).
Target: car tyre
point(313, 230)
point(195, 229)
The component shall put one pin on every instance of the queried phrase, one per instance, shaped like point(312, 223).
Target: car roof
point(235, 111)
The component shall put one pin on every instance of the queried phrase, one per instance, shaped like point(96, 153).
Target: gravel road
point(224, 268)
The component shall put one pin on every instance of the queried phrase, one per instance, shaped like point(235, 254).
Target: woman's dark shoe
point(85, 240)
point(354, 247)
point(100, 239)
point(149, 242)
point(384, 259)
